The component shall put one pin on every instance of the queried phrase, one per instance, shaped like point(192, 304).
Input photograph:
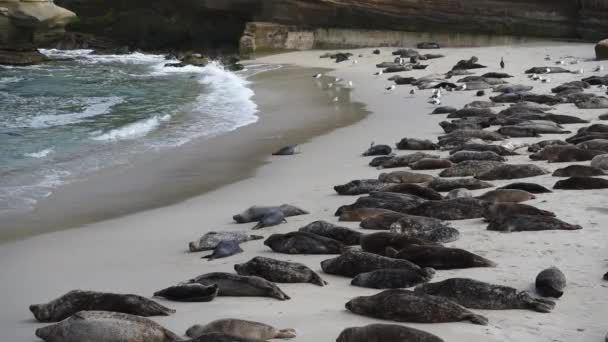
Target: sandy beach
point(147, 251)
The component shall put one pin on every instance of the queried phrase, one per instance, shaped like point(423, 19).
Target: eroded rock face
point(601, 49)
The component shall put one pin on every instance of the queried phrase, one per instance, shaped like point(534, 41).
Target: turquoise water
point(83, 112)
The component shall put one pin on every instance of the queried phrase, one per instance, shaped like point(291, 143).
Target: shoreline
point(146, 251)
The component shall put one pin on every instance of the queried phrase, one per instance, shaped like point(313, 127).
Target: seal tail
point(479, 261)
point(155, 309)
point(317, 280)
point(208, 257)
point(286, 333)
point(256, 237)
point(260, 225)
point(477, 319)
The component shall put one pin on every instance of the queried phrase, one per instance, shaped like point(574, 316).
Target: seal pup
point(303, 243)
point(378, 242)
point(345, 235)
point(521, 223)
point(288, 150)
point(474, 294)
point(425, 228)
point(210, 240)
point(240, 328)
point(455, 209)
point(385, 333)
point(106, 326)
point(78, 300)
point(439, 257)
point(279, 271)
point(406, 306)
point(240, 286)
point(271, 218)
point(189, 293)
point(256, 213)
point(578, 171)
point(361, 186)
point(390, 279)
point(506, 195)
point(581, 183)
point(353, 263)
point(551, 282)
point(512, 171)
point(380, 160)
point(377, 150)
point(361, 214)
point(529, 187)
point(224, 249)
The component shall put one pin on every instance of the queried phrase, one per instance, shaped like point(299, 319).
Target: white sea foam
point(134, 130)
point(87, 56)
point(40, 154)
point(7, 80)
point(94, 106)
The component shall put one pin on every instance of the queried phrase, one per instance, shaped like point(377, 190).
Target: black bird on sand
point(502, 63)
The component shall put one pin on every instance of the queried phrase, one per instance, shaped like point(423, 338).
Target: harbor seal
point(445, 185)
point(498, 149)
point(464, 155)
point(271, 218)
point(361, 214)
point(500, 211)
point(345, 235)
point(303, 243)
point(288, 150)
point(459, 193)
point(406, 160)
point(578, 171)
point(414, 189)
point(210, 240)
point(566, 153)
point(361, 186)
point(381, 221)
point(385, 333)
point(400, 203)
point(78, 300)
point(378, 150)
point(378, 242)
point(551, 282)
point(470, 168)
point(536, 147)
point(240, 328)
point(224, 249)
point(390, 279)
point(529, 187)
point(474, 294)
point(512, 171)
point(521, 223)
point(219, 337)
point(439, 257)
point(416, 144)
point(405, 177)
point(581, 183)
point(425, 228)
point(279, 271)
point(240, 286)
point(189, 293)
point(353, 263)
point(444, 110)
point(256, 213)
point(455, 209)
point(106, 326)
point(406, 306)
point(380, 160)
point(431, 164)
point(506, 195)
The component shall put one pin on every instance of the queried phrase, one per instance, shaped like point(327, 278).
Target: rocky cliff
point(163, 24)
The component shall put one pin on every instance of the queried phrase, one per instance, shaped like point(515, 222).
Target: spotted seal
point(520, 223)
point(279, 271)
point(353, 263)
point(345, 235)
point(210, 240)
point(384, 333)
point(506, 195)
point(303, 243)
point(189, 293)
point(239, 286)
point(240, 328)
point(439, 257)
point(551, 282)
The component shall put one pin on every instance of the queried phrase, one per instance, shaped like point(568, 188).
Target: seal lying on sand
point(456, 209)
point(445, 185)
point(345, 235)
point(499, 211)
point(361, 214)
point(378, 242)
point(271, 218)
point(106, 326)
point(400, 203)
point(475, 294)
point(439, 257)
point(521, 223)
point(431, 164)
point(353, 263)
point(256, 213)
point(551, 283)
point(220, 337)
point(498, 149)
point(385, 333)
point(360, 187)
point(578, 171)
point(406, 306)
point(512, 171)
point(470, 168)
point(406, 160)
point(581, 183)
point(241, 328)
point(77, 300)
point(529, 187)
point(288, 150)
point(224, 249)
point(381, 221)
point(390, 279)
point(458, 193)
point(416, 144)
point(425, 228)
point(377, 150)
point(240, 286)
point(189, 293)
point(210, 240)
point(414, 189)
point(303, 243)
point(461, 156)
point(279, 271)
point(506, 195)
point(405, 177)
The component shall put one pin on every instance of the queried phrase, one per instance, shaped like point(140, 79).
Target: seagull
point(462, 87)
point(502, 63)
point(350, 84)
point(318, 75)
point(338, 79)
point(413, 92)
point(391, 88)
point(599, 68)
point(355, 61)
point(548, 58)
point(435, 101)
point(546, 80)
point(336, 99)
point(560, 62)
point(548, 70)
point(436, 94)
point(378, 73)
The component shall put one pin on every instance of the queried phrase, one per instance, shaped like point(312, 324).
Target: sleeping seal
point(189, 293)
point(353, 263)
point(551, 283)
point(303, 243)
point(288, 150)
point(475, 294)
point(271, 218)
point(224, 249)
point(385, 333)
point(279, 271)
point(240, 286)
point(256, 213)
point(439, 257)
point(521, 223)
point(387, 278)
point(345, 235)
point(241, 328)
point(210, 240)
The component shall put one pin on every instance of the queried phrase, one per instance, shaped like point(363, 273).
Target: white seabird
point(317, 75)
point(390, 88)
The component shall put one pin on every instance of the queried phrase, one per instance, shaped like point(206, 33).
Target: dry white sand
point(144, 252)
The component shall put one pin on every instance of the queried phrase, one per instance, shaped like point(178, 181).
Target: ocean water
point(83, 112)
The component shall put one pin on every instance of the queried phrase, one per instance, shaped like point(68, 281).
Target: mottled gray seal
point(400, 203)
point(385, 333)
point(405, 177)
point(391, 279)
point(464, 155)
point(581, 183)
point(518, 132)
point(77, 300)
point(256, 213)
point(445, 185)
point(469, 112)
point(498, 149)
point(566, 153)
point(551, 282)
point(288, 150)
point(406, 306)
point(406, 160)
point(416, 144)
point(210, 240)
point(224, 249)
point(378, 161)
point(459, 193)
point(381, 221)
point(240, 328)
point(240, 286)
point(279, 271)
point(361, 214)
point(512, 171)
point(378, 242)
point(578, 171)
point(444, 110)
point(377, 150)
point(425, 228)
point(475, 294)
point(414, 189)
point(529, 187)
point(431, 164)
point(500, 211)
point(189, 293)
point(506, 195)
point(303, 243)
point(600, 162)
point(353, 263)
point(271, 218)
point(439, 257)
point(455, 209)
point(219, 337)
point(360, 186)
point(345, 235)
point(542, 144)
point(470, 168)
point(106, 326)
point(521, 223)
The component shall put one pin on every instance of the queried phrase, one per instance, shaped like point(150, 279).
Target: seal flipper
point(286, 333)
point(390, 252)
point(476, 319)
point(317, 280)
point(536, 304)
